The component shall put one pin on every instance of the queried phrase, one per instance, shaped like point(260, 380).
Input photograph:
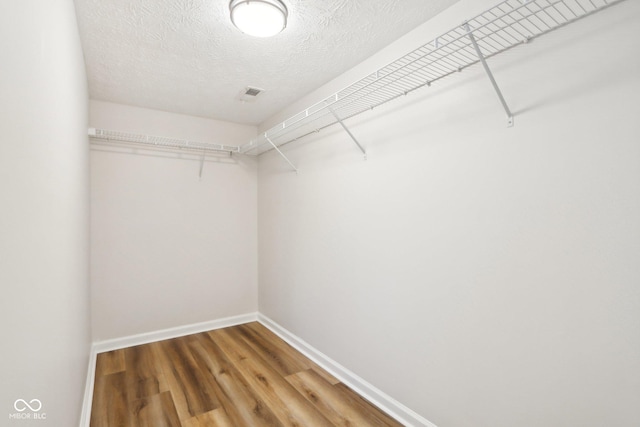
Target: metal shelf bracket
point(280, 152)
point(489, 73)
point(201, 165)
point(346, 129)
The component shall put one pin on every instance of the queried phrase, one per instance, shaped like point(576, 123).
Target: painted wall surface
point(44, 215)
point(479, 274)
point(170, 248)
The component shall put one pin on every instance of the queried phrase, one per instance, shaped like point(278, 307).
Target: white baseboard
point(85, 416)
point(383, 401)
point(165, 334)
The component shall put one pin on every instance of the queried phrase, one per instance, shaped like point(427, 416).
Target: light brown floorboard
point(288, 405)
point(216, 418)
point(110, 363)
point(238, 399)
point(280, 346)
point(243, 376)
point(276, 353)
point(337, 403)
point(143, 374)
point(192, 394)
point(110, 401)
point(154, 411)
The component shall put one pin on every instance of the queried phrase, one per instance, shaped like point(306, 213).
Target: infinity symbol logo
point(21, 405)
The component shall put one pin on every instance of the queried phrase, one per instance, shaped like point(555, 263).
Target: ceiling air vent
point(253, 91)
point(249, 94)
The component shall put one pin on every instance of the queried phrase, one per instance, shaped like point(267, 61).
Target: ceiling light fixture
point(259, 18)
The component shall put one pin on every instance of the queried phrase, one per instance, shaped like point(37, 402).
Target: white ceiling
point(185, 56)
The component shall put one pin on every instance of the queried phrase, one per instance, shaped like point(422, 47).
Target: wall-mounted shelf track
point(149, 141)
point(508, 24)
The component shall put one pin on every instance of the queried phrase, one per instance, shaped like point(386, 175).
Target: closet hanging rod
point(160, 141)
point(506, 25)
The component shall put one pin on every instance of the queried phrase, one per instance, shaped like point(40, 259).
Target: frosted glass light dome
point(259, 18)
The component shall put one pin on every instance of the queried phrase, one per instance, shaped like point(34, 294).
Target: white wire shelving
point(163, 143)
point(504, 26)
point(500, 28)
point(149, 141)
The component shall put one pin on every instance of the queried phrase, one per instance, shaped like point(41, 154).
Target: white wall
point(168, 248)
point(44, 212)
point(481, 275)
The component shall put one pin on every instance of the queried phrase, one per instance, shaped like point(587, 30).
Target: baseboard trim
point(179, 331)
point(383, 401)
point(85, 416)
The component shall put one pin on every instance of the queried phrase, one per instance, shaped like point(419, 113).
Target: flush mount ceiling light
point(259, 18)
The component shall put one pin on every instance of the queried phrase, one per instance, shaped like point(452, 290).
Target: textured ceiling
point(185, 56)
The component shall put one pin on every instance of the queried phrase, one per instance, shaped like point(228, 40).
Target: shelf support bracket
point(489, 74)
point(201, 164)
point(346, 129)
point(280, 152)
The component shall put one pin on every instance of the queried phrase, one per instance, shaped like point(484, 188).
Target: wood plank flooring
point(234, 377)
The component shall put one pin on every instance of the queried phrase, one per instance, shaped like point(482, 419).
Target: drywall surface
point(479, 274)
point(170, 248)
point(44, 215)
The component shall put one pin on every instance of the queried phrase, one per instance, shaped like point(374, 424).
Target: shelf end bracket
point(346, 129)
point(489, 74)
point(201, 164)
point(280, 152)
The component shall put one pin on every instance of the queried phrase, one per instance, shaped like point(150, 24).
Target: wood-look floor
point(239, 376)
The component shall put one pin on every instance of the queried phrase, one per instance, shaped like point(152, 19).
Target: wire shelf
point(508, 24)
point(160, 141)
